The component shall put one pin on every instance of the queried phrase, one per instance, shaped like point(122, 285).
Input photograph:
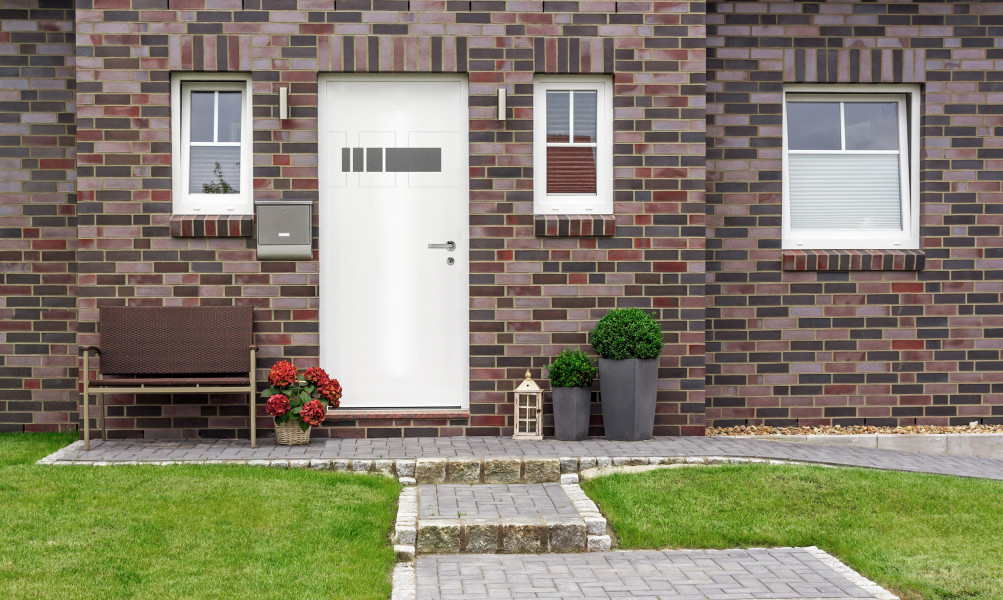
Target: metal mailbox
point(285, 229)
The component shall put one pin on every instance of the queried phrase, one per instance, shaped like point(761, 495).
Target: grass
point(193, 531)
point(923, 536)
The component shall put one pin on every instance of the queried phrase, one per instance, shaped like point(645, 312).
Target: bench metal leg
point(87, 415)
point(104, 417)
point(254, 408)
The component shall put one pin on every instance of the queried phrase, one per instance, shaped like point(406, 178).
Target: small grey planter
point(571, 413)
point(627, 390)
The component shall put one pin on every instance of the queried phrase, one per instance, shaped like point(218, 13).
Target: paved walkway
point(672, 574)
point(484, 447)
point(498, 473)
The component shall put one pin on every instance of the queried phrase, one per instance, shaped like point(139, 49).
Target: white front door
point(393, 181)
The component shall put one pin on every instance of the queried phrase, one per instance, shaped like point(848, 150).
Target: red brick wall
point(854, 344)
point(37, 217)
point(530, 295)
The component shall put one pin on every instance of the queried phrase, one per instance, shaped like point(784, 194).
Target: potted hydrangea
point(571, 376)
point(294, 400)
point(628, 342)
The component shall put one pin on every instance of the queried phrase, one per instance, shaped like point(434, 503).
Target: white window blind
point(845, 191)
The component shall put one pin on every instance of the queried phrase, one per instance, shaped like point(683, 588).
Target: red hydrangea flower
point(315, 375)
point(277, 405)
point(313, 412)
point(282, 374)
point(330, 390)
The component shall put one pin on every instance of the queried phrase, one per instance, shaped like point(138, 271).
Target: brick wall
point(37, 217)
point(531, 295)
point(892, 340)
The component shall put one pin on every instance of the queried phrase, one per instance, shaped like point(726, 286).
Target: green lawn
point(922, 536)
point(199, 531)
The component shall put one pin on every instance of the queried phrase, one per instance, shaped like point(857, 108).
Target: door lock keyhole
point(450, 260)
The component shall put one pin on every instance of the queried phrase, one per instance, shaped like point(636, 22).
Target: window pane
point(571, 170)
point(214, 170)
point(201, 116)
point(229, 117)
point(845, 191)
point(585, 116)
point(558, 116)
point(813, 126)
point(871, 125)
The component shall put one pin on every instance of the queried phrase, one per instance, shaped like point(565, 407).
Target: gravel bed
point(974, 427)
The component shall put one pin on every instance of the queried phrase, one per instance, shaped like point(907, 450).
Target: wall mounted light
point(284, 103)
point(501, 104)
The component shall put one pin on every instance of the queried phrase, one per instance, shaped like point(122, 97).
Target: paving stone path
point(778, 573)
point(484, 447)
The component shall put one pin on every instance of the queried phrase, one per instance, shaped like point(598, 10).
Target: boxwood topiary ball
point(627, 333)
point(571, 368)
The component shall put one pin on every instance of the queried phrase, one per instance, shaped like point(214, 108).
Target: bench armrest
point(86, 349)
point(254, 347)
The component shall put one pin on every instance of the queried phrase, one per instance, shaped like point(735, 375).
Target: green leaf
point(296, 410)
point(304, 425)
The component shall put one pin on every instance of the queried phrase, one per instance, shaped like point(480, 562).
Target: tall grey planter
point(571, 413)
point(627, 390)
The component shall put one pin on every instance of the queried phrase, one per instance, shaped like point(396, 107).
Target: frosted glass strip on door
point(845, 191)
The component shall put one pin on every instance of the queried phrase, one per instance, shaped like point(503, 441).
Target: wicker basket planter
point(289, 433)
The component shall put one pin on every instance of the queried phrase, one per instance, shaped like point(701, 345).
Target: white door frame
point(326, 158)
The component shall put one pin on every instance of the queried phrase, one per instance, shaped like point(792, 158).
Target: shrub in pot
point(628, 342)
point(571, 376)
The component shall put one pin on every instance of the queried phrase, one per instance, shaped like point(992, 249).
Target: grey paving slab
point(778, 573)
point(485, 447)
point(494, 501)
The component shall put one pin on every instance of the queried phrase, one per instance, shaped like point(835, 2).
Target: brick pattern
point(212, 226)
point(814, 347)
point(530, 296)
point(574, 225)
point(37, 217)
point(854, 260)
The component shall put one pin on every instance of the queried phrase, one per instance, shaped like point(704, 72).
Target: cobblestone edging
point(56, 457)
point(406, 528)
point(404, 583)
point(852, 576)
point(595, 524)
point(565, 470)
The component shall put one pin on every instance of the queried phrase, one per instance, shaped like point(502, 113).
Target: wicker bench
point(177, 350)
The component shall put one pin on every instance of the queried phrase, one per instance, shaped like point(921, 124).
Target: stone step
point(498, 518)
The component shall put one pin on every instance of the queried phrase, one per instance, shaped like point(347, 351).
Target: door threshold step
point(498, 518)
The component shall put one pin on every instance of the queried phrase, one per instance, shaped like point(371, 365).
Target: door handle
point(450, 245)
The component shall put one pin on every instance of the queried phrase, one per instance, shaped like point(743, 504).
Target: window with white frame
point(211, 134)
point(850, 168)
point(573, 145)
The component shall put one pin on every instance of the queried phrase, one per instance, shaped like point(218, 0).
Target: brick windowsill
point(212, 226)
point(574, 225)
point(854, 260)
point(344, 415)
